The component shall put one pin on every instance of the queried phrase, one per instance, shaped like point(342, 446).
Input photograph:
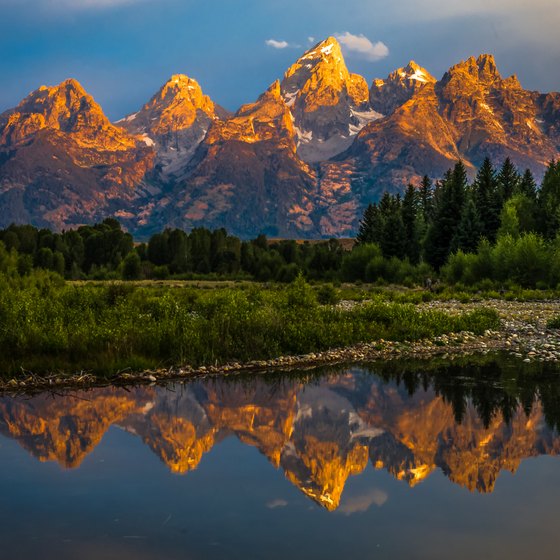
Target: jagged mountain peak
point(174, 107)
point(481, 69)
point(180, 86)
point(413, 71)
point(175, 120)
point(59, 101)
point(65, 163)
point(68, 85)
point(181, 80)
point(401, 84)
point(66, 108)
point(329, 104)
point(268, 118)
point(270, 100)
point(274, 91)
point(326, 49)
point(319, 68)
point(487, 65)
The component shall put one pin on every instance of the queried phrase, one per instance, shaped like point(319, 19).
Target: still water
point(376, 462)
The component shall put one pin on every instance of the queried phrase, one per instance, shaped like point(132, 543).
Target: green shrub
point(327, 294)
point(99, 326)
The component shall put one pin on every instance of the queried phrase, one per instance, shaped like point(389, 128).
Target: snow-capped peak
point(413, 71)
point(328, 47)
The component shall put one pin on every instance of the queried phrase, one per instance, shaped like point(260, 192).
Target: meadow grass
point(45, 321)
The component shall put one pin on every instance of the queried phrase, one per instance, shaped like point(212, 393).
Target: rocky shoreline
point(524, 335)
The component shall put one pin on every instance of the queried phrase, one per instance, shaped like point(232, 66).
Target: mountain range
point(303, 160)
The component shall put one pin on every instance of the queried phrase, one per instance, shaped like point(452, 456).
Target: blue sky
point(122, 51)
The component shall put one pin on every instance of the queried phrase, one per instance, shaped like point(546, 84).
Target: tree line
point(106, 251)
point(500, 228)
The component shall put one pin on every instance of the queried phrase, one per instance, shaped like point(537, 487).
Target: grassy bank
point(46, 324)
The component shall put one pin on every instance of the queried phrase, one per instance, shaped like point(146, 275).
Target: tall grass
point(44, 321)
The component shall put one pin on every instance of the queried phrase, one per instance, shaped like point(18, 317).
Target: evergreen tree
point(527, 185)
point(508, 180)
point(469, 231)
point(447, 216)
point(487, 200)
point(366, 230)
point(372, 226)
point(549, 201)
point(393, 235)
point(409, 217)
point(426, 196)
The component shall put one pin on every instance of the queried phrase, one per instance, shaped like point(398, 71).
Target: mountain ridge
point(304, 160)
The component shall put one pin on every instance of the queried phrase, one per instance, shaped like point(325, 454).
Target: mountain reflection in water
point(470, 422)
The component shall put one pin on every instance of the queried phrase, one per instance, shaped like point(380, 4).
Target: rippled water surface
point(382, 462)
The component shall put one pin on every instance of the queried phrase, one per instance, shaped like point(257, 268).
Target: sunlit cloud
point(361, 46)
point(277, 44)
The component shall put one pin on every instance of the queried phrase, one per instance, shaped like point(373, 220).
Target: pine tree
point(410, 221)
point(508, 180)
point(487, 199)
point(549, 201)
point(447, 216)
point(426, 196)
point(469, 231)
point(527, 186)
point(366, 231)
point(393, 237)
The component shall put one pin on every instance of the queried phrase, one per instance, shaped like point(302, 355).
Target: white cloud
point(277, 44)
point(362, 46)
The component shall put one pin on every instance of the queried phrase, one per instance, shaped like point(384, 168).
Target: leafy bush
point(327, 294)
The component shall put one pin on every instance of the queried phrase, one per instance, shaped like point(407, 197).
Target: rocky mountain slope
point(246, 175)
point(471, 113)
point(329, 104)
point(63, 163)
point(174, 121)
point(304, 160)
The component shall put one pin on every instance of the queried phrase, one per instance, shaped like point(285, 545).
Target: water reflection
point(472, 423)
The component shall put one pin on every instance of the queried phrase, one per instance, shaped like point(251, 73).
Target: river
point(381, 461)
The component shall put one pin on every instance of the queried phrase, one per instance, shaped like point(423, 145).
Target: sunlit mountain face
point(303, 160)
point(470, 423)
